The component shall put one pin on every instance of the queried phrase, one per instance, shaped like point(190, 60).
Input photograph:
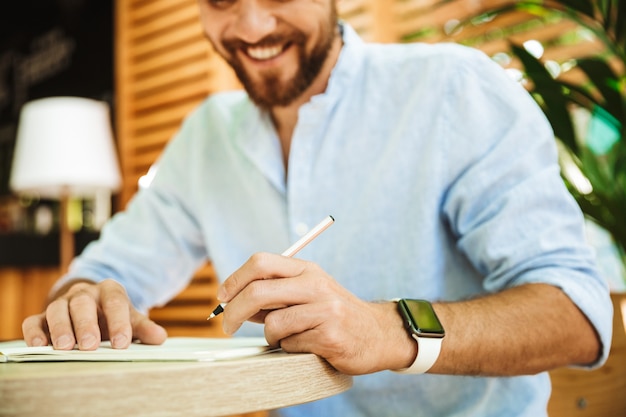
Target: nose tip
point(254, 23)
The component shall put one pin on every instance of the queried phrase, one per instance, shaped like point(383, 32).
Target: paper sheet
point(173, 349)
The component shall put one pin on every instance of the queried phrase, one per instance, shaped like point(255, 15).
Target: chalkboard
point(51, 48)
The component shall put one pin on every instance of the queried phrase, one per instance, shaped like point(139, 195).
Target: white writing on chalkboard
point(50, 54)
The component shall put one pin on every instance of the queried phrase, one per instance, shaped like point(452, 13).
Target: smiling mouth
point(264, 53)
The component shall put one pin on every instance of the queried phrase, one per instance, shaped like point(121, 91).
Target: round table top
point(263, 382)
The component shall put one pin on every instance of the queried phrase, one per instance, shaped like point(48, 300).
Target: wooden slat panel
point(183, 14)
point(408, 9)
point(10, 298)
point(194, 90)
point(363, 24)
point(497, 26)
point(198, 293)
point(410, 18)
point(177, 312)
point(545, 33)
point(151, 139)
point(349, 8)
point(147, 10)
point(541, 34)
point(384, 25)
point(182, 330)
point(144, 161)
point(160, 140)
point(130, 187)
point(123, 97)
point(565, 52)
point(163, 41)
point(24, 293)
point(164, 116)
point(173, 58)
point(191, 72)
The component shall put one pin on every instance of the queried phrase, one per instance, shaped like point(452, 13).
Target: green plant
point(599, 150)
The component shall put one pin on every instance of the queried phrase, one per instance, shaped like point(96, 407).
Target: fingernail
point(37, 341)
point(87, 341)
point(221, 294)
point(64, 342)
point(119, 341)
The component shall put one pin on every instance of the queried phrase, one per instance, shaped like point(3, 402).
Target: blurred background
point(47, 48)
point(150, 63)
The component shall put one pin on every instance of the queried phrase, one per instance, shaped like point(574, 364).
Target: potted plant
point(597, 149)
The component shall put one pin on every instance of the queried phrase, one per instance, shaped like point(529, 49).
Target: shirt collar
point(347, 66)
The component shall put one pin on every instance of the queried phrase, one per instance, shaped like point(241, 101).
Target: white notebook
point(173, 349)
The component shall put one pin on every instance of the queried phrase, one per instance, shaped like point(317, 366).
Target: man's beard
point(269, 91)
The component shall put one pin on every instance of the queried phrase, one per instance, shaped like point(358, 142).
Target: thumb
point(146, 330)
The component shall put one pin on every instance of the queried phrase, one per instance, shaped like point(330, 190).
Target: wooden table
point(190, 389)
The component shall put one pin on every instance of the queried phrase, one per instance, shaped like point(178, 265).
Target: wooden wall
point(23, 292)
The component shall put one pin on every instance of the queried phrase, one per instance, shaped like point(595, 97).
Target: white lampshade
point(64, 146)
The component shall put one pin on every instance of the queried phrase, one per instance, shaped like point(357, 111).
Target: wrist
point(400, 349)
point(395, 349)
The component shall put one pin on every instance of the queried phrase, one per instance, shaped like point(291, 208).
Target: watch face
point(421, 318)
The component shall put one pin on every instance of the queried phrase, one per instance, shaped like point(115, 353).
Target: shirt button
point(301, 229)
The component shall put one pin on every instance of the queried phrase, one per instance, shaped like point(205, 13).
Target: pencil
point(291, 251)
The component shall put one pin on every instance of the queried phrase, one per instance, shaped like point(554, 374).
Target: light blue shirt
point(441, 174)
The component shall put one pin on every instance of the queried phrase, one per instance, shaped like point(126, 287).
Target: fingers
point(282, 323)
point(267, 282)
point(124, 323)
point(355, 337)
point(116, 309)
point(297, 328)
point(35, 330)
point(318, 329)
point(85, 314)
point(260, 266)
point(73, 318)
point(259, 297)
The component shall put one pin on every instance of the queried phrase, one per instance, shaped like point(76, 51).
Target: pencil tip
point(211, 316)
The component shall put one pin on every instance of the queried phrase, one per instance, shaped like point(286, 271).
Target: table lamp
point(64, 148)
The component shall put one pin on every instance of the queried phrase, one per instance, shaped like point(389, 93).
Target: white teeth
point(263, 53)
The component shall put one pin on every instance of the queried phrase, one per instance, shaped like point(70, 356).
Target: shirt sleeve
point(508, 206)
point(155, 245)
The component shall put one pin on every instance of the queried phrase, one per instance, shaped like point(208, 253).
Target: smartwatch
point(424, 326)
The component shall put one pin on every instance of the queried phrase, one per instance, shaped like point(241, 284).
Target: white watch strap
point(428, 349)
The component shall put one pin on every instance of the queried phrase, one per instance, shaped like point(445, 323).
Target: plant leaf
point(578, 95)
point(620, 24)
point(585, 7)
point(554, 102)
point(607, 83)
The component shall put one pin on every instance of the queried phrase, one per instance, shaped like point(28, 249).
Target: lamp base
point(66, 237)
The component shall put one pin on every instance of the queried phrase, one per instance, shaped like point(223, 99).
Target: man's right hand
point(87, 313)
